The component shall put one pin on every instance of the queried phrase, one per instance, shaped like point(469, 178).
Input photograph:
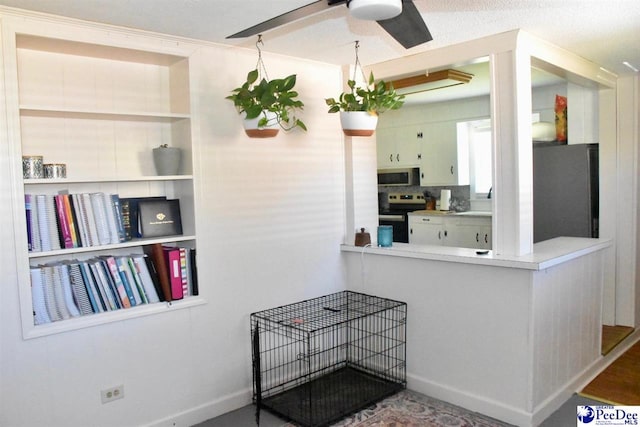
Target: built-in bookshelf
point(100, 109)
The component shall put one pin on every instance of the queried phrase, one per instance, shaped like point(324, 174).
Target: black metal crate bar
point(319, 360)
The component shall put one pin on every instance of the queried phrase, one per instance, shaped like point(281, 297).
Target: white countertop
point(451, 213)
point(545, 254)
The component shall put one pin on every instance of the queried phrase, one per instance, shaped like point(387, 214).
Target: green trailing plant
point(376, 98)
point(276, 96)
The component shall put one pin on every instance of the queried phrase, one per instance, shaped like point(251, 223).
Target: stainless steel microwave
point(398, 177)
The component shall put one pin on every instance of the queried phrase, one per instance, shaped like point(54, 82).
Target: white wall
point(270, 219)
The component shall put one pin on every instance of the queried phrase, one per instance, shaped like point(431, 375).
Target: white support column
point(608, 159)
point(513, 164)
point(361, 187)
point(626, 295)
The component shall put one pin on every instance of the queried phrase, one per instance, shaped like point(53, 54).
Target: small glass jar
point(385, 236)
point(32, 167)
point(55, 170)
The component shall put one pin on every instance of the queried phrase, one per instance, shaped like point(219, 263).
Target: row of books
point(72, 288)
point(64, 221)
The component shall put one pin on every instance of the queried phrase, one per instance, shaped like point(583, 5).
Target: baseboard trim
point(206, 411)
point(512, 414)
point(448, 394)
point(610, 357)
point(550, 405)
point(471, 402)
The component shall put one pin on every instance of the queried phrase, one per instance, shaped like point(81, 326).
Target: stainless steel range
point(393, 209)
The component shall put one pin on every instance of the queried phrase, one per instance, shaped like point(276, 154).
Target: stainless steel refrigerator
point(565, 191)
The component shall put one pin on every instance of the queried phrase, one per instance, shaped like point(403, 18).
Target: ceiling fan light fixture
point(375, 10)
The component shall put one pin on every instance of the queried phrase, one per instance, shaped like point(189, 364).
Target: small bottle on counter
point(363, 238)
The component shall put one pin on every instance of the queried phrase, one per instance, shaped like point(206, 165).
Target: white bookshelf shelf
point(57, 112)
point(58, 181)
point(134, 243)
point(113, 316)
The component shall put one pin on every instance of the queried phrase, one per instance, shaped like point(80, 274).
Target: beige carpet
point(411, 409)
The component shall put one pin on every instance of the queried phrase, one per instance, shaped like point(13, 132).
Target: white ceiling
point(606, 32)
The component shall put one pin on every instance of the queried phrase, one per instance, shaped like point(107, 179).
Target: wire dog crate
point(319, 360)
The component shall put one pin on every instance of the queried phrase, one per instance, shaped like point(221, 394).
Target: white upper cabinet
point(443, 160)
point(398, 146)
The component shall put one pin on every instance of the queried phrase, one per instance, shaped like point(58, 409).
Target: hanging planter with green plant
point(359, 108)
point(267, 105)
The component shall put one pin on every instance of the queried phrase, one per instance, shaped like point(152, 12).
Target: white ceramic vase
point(358, 123)
point(167, 160)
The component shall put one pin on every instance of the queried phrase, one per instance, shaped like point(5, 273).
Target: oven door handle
point(397, 218)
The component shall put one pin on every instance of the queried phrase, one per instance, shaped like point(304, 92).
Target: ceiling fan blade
point(408, 28)
point(285, 18)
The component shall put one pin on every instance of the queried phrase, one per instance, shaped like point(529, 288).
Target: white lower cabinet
point(426, 230)
point(469, 232)
point(454, 230)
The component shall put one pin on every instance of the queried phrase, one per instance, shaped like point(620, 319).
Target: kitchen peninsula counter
point(545, 254)
point(512, 337)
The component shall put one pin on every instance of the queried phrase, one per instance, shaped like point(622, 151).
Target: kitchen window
point(477, 134)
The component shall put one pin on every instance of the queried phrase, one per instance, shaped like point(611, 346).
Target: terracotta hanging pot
point(253, 130)
point(358, 123)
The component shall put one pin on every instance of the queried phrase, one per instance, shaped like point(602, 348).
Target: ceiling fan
point(399, 18)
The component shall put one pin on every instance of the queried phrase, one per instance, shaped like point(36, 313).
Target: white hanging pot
point(252, 129)
point(358, 123)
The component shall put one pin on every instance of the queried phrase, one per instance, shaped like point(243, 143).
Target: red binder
point(66, 239)
point(172, 257)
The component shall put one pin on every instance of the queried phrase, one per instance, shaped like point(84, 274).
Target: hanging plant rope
point(373, 97)
point(262, 70)
point(357, 65)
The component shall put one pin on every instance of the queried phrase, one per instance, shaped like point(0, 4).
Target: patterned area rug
point(411, 409)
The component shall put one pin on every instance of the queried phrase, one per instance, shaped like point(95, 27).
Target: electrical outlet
point(111, 394)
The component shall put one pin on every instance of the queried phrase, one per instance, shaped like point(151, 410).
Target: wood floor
point(619, 383)
point(612, 336)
